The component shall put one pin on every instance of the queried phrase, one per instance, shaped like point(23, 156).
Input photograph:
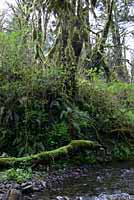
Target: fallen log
point(49, 156)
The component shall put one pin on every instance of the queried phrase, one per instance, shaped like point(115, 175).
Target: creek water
point(99, 183)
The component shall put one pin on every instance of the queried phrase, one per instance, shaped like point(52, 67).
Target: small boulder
point(62, 198)
point(121, 196)
point(44, 184)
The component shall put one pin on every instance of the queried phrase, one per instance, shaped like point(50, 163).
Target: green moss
point(48, 156)
point(82, 151)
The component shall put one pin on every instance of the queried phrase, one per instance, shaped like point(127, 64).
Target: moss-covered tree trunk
point(98, 57)
point(49, 157)
point(71, 43)
point(120, 66)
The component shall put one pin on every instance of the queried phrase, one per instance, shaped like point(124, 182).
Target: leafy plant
point(19, 175)
point(122, 152)
point(58, 136)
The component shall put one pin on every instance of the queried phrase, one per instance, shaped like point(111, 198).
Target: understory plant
point(18, 175)
point(38, 114)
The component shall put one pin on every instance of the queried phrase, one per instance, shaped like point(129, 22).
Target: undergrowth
point(37, 114)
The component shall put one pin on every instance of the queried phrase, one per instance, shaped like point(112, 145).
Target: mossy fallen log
point(49, 156)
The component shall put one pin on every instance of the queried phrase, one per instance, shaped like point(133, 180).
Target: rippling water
point(109, 180)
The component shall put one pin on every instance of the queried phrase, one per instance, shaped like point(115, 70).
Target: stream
point(115, 182)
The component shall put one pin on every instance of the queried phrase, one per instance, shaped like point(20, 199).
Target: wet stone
point(17, 186)
point(27, 189)
point(122, 196)
point(2, 191)
point(44, 184)
point(8, 186)
point(36, 189)
point(26, 184)
point(62, 198)
point(1, 196)
point(27, 198)
point(84, 198)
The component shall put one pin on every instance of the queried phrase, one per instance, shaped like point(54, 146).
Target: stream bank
point(91, 170)
point(87, 182)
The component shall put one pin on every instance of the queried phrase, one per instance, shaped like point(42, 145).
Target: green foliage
point(15, 51)
point(26, 110)
point(109, 105)
point(53, 86)
point(129, 114)
point(37, 114)
point(77, 118)
point(122, 152)
point(19, 175)
point(58, 136)
point(26, 94)
point(88, 158)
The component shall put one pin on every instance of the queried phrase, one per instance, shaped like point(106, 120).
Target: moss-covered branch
point(47, 157)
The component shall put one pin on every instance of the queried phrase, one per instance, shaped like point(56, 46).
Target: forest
point(66, 83)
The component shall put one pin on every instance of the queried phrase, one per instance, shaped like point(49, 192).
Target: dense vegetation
point(56, 85)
